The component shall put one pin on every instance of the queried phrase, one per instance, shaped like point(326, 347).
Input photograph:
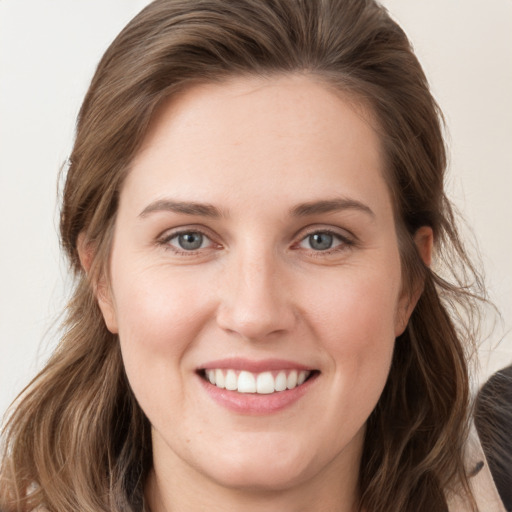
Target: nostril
point(255, 308)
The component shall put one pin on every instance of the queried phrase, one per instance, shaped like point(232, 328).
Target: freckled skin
point(256, 289)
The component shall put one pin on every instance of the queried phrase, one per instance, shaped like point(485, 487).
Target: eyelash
point(346, 242)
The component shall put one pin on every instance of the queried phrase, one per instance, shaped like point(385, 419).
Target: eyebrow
point(183, 207)
point(329, 206)
point(300, 210)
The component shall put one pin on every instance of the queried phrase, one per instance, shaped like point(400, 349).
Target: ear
point(424, 241)
point(101, 288)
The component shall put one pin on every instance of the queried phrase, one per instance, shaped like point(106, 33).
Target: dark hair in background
point(77, 439)
point(493, 420)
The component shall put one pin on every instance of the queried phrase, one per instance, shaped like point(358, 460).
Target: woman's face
point(255, 247)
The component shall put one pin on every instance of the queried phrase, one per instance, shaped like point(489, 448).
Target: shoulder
point(481, 482)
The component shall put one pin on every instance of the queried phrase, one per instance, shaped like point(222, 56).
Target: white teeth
point(291, 381)
point(231, 380)
point(246, 383)
point(263, 383)
point(219, 379)
point(301, 378)
point(281, 381)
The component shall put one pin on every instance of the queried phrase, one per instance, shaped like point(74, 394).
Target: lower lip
point(254, 403)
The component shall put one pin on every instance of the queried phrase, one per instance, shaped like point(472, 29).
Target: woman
point(251, 207)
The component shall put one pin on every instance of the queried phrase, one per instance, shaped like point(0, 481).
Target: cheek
point(355, 311)
point(354, 317)
point(157, 309)
point(159, 318)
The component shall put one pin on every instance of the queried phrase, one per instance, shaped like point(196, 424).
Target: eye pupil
point(190, 241)
point(321, 241)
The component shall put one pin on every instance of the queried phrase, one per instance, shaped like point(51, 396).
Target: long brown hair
point(76, 438)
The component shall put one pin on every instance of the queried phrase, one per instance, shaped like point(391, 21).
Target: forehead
point(288, 134)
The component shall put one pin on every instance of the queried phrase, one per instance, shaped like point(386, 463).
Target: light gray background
point(48, 52)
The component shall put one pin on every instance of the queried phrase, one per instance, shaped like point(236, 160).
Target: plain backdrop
point(48, 53)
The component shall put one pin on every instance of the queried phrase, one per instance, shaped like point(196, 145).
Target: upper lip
point(238, 363)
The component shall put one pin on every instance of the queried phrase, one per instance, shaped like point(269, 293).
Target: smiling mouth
point(263, 383)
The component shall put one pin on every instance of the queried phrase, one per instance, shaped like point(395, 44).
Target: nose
point(256, 297)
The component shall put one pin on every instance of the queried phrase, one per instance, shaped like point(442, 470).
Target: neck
point(158, 495)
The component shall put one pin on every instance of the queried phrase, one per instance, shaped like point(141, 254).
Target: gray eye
point(190, 241)
point(320, 241)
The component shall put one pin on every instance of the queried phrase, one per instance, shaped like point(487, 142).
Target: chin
point(261, 480)
point(266, 470)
